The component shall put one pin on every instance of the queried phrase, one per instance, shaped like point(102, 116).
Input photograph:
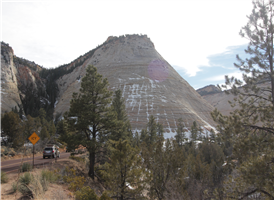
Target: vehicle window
point(48, 148)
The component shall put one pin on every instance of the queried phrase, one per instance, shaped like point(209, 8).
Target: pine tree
point(11, 126)
point(42, 114)
point(124, 174)
point(160, 130)
point(52, 129)
point(90, 115)
point(250, 127)
point(180, 133)
point(136, 139)
point(119, 108)
point(44, 134)
point(195, 132)
point(30, 125)
point(151, 130)
point(163, 162)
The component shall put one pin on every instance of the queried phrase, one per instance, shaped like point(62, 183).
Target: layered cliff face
point(20, 82)
point(149, 84)
point(9, 85)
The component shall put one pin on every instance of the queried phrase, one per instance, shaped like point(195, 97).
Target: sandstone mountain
point(220, 100)
point(217, 98)
point(131, 63)
point(9, 86)
point(20, 81)
point(149, 84)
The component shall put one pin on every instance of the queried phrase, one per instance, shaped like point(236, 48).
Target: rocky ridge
point(9, 85)
point(20, 80)
point(131, 63)
point(149, 84)
point(220, 100)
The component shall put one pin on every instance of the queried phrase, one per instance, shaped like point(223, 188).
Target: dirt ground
point(56, 191)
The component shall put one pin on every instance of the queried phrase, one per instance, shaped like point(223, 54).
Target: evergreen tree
point(144, 136)
point(250, 127)
point(163, 162)
point(195, 132)
point(42, 114)
point(160, 130)
point(119, 108)
point(90, 115)
point(30, 125)
point(21, 111)
point(52, 129)
point(61, 129)
point(180, 133)
point(11, 126)
point(151, 130)
point(44, 133)
point(136, 139)
point(124, 174)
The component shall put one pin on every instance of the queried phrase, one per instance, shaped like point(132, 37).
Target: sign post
point(33, 139)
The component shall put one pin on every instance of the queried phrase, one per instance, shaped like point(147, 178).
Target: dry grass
point(55, 191)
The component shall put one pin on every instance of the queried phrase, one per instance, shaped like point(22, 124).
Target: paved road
point(13, 165)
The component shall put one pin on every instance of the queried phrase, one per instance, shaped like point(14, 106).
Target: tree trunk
point(91, 162)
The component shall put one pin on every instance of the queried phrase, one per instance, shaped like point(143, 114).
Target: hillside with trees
point(234, 161)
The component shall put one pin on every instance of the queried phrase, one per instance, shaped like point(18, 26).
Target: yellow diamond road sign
point(34, 138)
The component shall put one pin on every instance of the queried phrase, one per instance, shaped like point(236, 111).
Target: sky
point(199, 38)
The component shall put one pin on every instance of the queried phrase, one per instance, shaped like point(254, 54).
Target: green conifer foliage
point(42, 114)
point(44, 133)
point(52, 128)
point(180, 136)
point(250, 127)
point(11, 126)
point(124, 174)
point(90, 115)
point(195, 132)
point(163, 161)
point(124, 132)
point(30, 125)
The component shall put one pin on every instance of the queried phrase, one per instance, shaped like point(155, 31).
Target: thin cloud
point(220, 78)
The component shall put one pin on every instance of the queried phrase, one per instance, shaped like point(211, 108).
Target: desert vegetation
point(234, 161)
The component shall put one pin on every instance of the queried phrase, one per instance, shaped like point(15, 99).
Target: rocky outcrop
point(131, 63)
point(220, 100)
point(209, 90)
point(9, 85)
point(20, 82)
point(149, 84)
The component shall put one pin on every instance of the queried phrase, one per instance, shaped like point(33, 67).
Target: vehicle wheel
point(43, 157)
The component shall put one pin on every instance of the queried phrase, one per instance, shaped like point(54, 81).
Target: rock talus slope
point(149, 84)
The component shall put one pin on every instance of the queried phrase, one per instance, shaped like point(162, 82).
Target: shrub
point(4, 177)
point(105, 197)
point(12, 152)
point(38, 186)
point(49, 176)
point(26, 167)
point(86, 193)
point(75, 182)
point(2, 151)
point(78, 159)
point(14, 187)
point(31, 185)
point(24, 182)
point(25, 178)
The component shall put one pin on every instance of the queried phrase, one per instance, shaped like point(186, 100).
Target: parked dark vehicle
point(51, 152)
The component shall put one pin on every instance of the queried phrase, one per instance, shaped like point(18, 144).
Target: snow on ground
point(55, 103)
